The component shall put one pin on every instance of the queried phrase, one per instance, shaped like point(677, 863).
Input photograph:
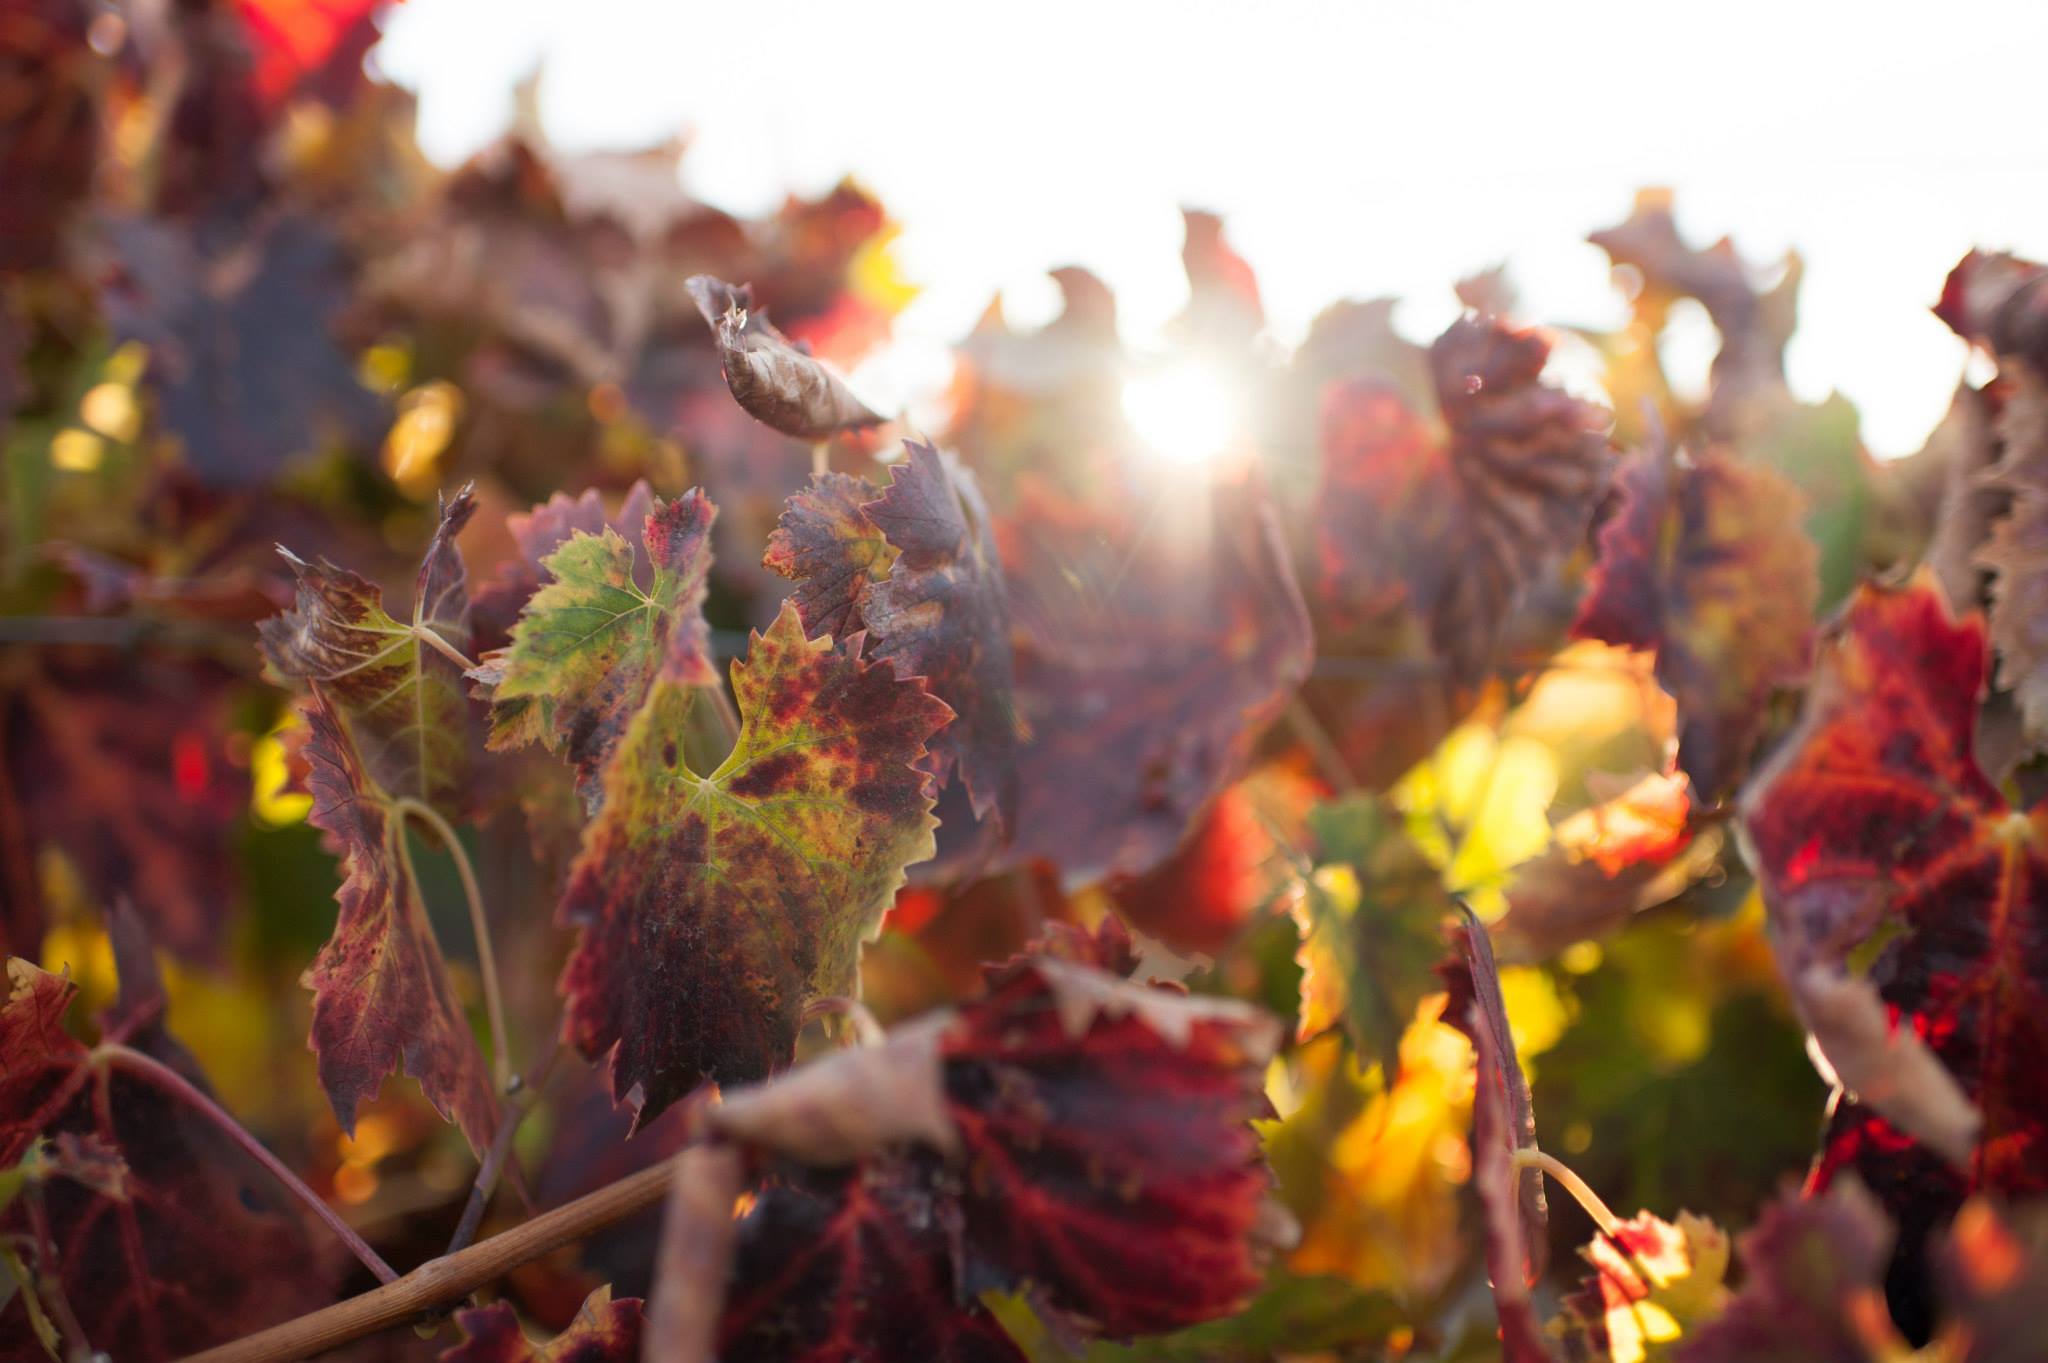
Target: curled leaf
point(778, 383)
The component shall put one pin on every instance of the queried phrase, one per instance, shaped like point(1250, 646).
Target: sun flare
point(1186, 413)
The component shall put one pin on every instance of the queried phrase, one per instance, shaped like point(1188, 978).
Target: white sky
point(1355, 149)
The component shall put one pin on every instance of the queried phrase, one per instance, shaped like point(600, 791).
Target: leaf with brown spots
point(381, 992)
point(591, 642)
point(604, 1331)
point(1456, 521)
point(400, 693)
point(775, 380)
point(190, 1245)
point(943, 614)
point(714, 907)
point(1874, 820)
point(1706, 563)
point(825, 542)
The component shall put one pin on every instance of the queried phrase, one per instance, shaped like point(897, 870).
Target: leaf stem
point(440, 1281)
point(431, 637)
point(1603, 1216)
point(162, 1075)
point(480, 929)
point(501, 1149)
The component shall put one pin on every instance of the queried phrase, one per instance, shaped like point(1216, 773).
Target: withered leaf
point(1706, 563)
point(778, 384)
point(402, 697)
point(381, 992)
point(590, 643)
point(1456, 522)
point(714, 907)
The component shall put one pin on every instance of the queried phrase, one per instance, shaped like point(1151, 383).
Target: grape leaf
point(123, 763)
point(1875, 819)
point(604, 1331)
point(1146, 666)
point(825, 542)
point(1457, 523)
point(195, 1246)
point(590, 643)
point(538, 533)
point(1706, 563)
point(1371, 921)
point(402, 698)
point(1653, 1282)
point(238, 319)
point(1070, 1132)
point(775, 380)
point(943, 614)
point(853, 1266)
point(714, 907)
point(381, 992)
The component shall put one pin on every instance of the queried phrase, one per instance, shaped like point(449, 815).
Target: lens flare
point(1185, 413)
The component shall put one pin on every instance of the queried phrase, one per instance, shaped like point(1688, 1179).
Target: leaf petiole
point(1603, 1216)
point(177, 1085)
point(431, 637)
point(479, 926)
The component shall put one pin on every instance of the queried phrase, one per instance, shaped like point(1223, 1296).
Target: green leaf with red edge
point(604, 1331)
point(537, 534)
point(196, 1245)
point(825, 542)
point(591, 642)
point(381, 992)
point(943, 614)
point(1070, 1134)
point(1874, 818)
point(1456, 521)
point(714, 907)
point(1706, 564)
point(402, 698)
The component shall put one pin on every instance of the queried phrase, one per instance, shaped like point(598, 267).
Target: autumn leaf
point(1224, 310)
point(1653, 1282)
point(243, 361)
point(537, 534)
point(604, 1331)
point(381, 993)
point(714, 907)
point(1055, 1094)
point(1456, 522)
point(395, 683)
point(825, 542)
point(943, 614)
point(1147, 664)
point(778, 383)
point(588, 647)
point(1706, 564)
point(121, 764)
point(190, 1246)
point(1371, 920)
point(1874, 824)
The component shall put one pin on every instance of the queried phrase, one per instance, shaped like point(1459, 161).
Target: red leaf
point(193, 1246)
point(381, 992)
point(943, 614)
point(826, 544)
point(1874, 817)
point(1707, 564)
point(1459, 522)
point(604, 1331)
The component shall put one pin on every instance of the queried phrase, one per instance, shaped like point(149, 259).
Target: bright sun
point(1186, 412)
